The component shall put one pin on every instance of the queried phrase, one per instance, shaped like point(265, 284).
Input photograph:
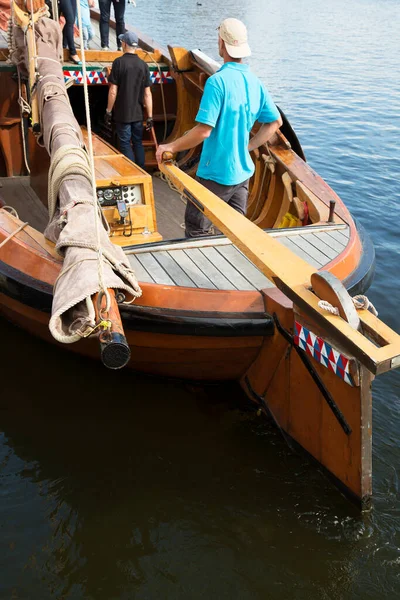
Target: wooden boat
point(212, 309)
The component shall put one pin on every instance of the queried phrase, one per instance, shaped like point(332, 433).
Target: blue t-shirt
point(233, 100)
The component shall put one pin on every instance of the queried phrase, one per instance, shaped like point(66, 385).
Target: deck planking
point(216, 263)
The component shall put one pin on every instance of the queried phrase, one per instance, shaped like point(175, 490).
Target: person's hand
point(107, 118)
point(149, 124)
point(161, 150)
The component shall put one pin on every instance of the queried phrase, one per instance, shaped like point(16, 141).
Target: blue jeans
point(68, 9)
point(127, 132)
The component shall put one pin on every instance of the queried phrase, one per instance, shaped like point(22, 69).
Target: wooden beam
point(290, 273)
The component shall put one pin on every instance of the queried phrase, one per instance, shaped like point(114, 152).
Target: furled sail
point(91, 262)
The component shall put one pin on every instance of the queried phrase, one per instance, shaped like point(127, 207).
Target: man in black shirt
point(129, 92)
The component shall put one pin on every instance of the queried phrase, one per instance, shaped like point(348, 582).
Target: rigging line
point(14, 233)
point(162, 92)
point(32, 20)
point(23, 106)
point(91, 162)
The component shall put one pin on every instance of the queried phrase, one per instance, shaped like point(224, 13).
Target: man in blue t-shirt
point(233, 100)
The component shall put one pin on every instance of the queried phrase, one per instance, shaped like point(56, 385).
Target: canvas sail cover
point(72, 223)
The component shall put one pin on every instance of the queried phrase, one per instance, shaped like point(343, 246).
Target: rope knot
point(360, 302)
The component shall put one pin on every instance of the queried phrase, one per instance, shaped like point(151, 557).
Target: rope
point(9, 237)
point(360, 302)
point(325, 305)
point(24, 107)
point(67, 162)
point(11, 210)
point(99, 250)
point(162, 93)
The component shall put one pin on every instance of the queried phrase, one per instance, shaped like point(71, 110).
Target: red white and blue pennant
point(323, 352)
point(98, 77)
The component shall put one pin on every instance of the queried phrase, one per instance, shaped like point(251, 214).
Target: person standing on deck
point(129, 91)
point(67, 8)
point(105, 12)
point(233, 100)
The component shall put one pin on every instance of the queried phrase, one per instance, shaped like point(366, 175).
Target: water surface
point(116, 486)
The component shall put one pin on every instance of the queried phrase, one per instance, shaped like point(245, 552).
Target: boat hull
point(196, 344)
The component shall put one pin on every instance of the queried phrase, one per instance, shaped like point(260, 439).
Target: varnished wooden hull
point(174, 331)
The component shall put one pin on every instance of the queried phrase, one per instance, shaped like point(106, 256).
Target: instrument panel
point(110, 196)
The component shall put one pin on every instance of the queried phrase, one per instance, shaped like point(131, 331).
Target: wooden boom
point(292, 275)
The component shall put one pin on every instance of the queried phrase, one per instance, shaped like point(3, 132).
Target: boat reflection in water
point(109, 491)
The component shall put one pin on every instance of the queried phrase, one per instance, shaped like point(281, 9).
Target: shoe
point(76, 61)
point(119, 48)
point(105, 48)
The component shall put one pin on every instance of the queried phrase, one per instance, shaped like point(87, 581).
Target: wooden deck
point(215, 263)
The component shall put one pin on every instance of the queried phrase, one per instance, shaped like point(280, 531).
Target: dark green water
point(163, 491)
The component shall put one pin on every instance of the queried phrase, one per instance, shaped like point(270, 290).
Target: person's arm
point(112, 96)
point(148, 102)
point(264, 134)
point(207, 117)
point(192, 138)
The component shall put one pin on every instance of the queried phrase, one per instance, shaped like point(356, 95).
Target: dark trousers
point(119, 12)
point(68, 9)
point(196, 224)
point(131, 132)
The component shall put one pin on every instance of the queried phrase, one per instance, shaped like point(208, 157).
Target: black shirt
point(131, 74)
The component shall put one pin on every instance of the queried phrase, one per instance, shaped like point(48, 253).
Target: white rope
point(11, 210)
point(9, 237)
point(24, 107)
point(325, 305)
point(67, 162)
point(99, 250)
point(360, 302)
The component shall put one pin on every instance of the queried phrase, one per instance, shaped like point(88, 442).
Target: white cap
point(234, 34)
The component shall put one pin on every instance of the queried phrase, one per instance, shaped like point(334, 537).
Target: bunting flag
point(163, 77)
point(92, 77)
point(98, 77)
point(323, 352)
